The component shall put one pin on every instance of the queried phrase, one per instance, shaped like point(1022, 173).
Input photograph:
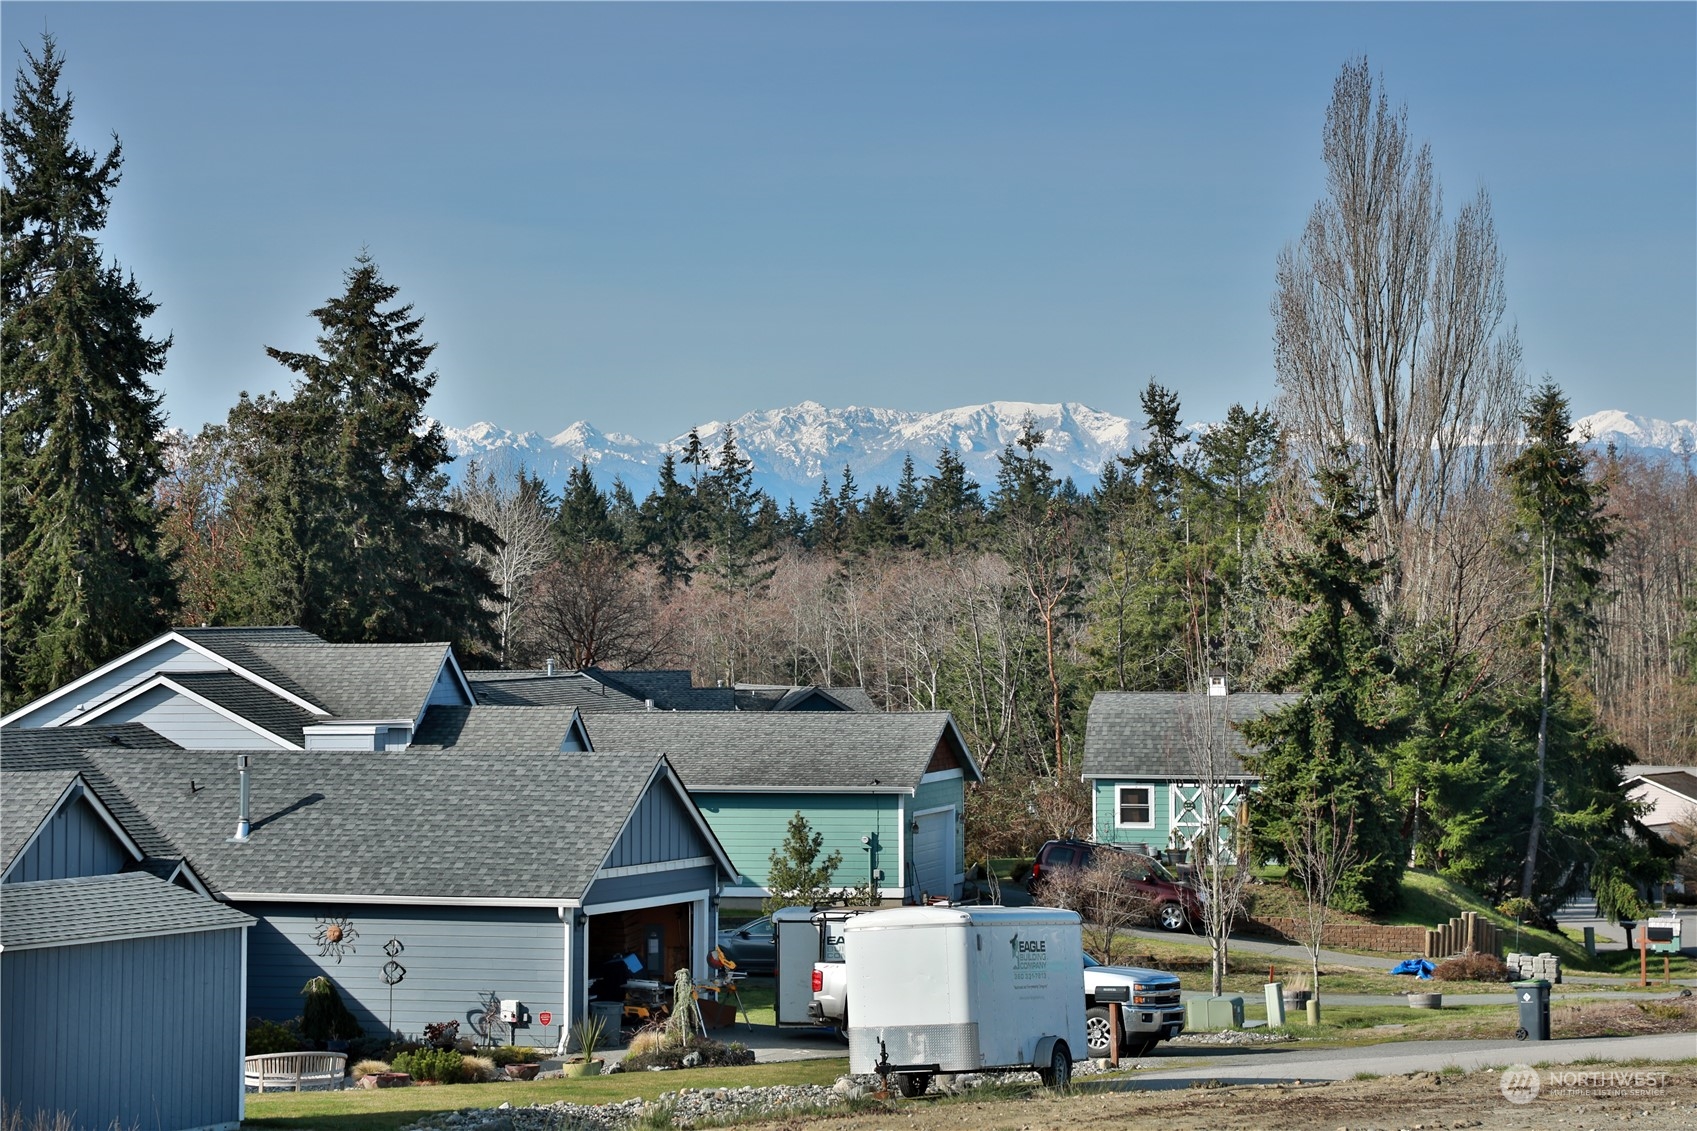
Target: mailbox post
point(1114, 997)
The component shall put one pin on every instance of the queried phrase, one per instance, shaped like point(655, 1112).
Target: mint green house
point(887, 791)
point(1158, 763)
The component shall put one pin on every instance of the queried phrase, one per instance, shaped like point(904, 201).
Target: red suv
point(1177, 904)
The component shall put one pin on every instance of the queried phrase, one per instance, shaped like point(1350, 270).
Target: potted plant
point(586, 1035)
point(327, 1020)
point(1296, 992)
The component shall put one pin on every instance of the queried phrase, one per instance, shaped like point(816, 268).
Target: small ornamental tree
point(326, 1016)
point(795, 873)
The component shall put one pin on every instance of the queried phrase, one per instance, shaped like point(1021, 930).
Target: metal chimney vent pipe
point(243, 828)
point(550, 665)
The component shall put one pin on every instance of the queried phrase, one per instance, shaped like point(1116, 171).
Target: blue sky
point(650, 216)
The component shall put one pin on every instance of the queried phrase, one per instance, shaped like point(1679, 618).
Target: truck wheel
point(1171, 917)
point(912, 1084)
point(1098, 1031)
point(1059, 1073)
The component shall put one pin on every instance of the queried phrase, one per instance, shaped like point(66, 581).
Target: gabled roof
point(20, 742)
point(31, 760)
point(330, 827)
point(1159, 734)
point(104, 909)
point(790, 697)
point(1681, 782)
point(494, 729)
point(27, 799)
point(670, 689)
point(223, 692)
point(539, 689)
point(363, 681)
point(790, 752)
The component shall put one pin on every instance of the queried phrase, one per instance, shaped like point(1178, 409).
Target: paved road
point(1275, 1063)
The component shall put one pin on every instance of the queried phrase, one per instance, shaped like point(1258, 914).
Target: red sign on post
point(545, 1017)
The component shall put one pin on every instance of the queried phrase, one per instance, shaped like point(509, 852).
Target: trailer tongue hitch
point(882, 1068)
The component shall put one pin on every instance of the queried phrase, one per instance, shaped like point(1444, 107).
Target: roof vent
point(550, 665)
point(243, 828)
point(648, 704)
point(1217, 683)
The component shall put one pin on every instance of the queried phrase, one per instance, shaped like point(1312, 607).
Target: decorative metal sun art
point(335, 936)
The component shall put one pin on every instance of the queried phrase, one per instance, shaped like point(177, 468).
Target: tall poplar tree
point(353, 535)
point(83, 578)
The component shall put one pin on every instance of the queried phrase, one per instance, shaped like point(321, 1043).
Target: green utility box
point(1207, 1013)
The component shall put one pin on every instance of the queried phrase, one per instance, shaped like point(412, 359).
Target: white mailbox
point(511, 1011)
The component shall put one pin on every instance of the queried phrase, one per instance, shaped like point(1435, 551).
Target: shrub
point(441, 1034)
point(444, 1066)
point(1473, 968)
point(370, 1068)
point(479, 1069)
point(268, 1036)
point(710, 1054)
point(327, 1017)
point(504, 1055)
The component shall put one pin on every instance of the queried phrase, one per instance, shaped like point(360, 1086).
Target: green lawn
point(360, 1110)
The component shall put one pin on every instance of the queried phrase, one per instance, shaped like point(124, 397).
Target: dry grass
point(1624, 1018)
point(480, 1070)
point(369, 1068)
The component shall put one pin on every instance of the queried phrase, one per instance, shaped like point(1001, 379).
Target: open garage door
point(933, 854)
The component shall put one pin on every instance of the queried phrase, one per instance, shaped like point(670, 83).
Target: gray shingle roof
point(27, 798)
point(237, 646)
point(1679, 781)
point(790, 751)
point(252, 702)
point(539, 689)
point(64, 751)
point(534, 825)
point(103, 908)
point(492, 730)
point(22, 741)
point(359, 681)
point(1132, 734)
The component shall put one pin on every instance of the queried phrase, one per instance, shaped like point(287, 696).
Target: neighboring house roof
point(229, 691)
point(539, 689)
point(28, 798)
point(329, 826)
point(29, 741)
point(789, 697)
point(1682, 782)
point(498, 728)
point(95, 909)
point(669, 689)
point(1134, 734)
point(362, 681)
point(791, 752)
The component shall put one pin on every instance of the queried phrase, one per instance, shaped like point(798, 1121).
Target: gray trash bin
point(1533, 998)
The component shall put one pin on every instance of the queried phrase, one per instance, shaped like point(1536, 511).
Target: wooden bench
point(294, 1071)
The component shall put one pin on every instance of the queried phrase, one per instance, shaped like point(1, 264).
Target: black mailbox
point(1660, 934)
point(1106, 994)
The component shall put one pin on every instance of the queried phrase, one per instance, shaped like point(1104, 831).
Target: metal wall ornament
point(335, 936)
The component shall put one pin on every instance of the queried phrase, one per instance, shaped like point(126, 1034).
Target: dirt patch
point(1588, 1096)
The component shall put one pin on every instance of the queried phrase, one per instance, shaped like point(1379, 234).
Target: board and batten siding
point(660, 830)
point(187, 723)
point(752, 825)
point(171, 656)
point(74, 842)
point(446, 692)
point(1107, 796)
point(159, 1025)
point(454, 956)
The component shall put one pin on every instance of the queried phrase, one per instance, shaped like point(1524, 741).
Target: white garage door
point(933, 854)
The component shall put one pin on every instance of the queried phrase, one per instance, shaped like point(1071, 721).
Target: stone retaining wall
point(1347, 936)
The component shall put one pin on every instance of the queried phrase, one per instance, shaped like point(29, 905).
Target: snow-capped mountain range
point(793, 448)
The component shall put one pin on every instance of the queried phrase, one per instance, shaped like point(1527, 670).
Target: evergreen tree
point(1329, 748)
point(83, 578)
point(353, 537)
point(951, 508)
point(795, 873)
point(1562, 537)
point(585, 515)
point(827, 521)
point(1025, 481)
point(908, 493)
point(667, 517)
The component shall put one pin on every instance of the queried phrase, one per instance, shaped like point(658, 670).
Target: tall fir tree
point(353, 537)
point(83, 578)
point(1330, 748)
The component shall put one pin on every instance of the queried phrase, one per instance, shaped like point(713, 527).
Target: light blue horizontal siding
point(75, 842)
point(445, 692)
point(187, 723)
point(140, 1033)
point(168, 657)
point(752, 825)
point(453, 956)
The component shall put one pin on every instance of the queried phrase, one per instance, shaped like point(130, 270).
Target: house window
point(1134, 807)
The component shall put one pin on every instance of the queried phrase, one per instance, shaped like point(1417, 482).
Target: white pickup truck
point(1150, 1009)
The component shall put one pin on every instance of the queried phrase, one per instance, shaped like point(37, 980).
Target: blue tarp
point(1419, 967)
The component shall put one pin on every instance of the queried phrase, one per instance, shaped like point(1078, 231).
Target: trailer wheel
point(842, 1026)
point(1059, 1073)
point(912, 1084)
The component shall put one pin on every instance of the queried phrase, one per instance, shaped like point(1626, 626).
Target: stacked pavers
point(1546, 966)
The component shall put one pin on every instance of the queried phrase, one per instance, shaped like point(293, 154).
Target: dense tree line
point(1480, 635)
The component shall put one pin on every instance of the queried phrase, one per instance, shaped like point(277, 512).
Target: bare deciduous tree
point(1106, 893)
point(514, 505)
point(1220, 847)
point(1319, 850)
point(1388, 331)
point(593, 608)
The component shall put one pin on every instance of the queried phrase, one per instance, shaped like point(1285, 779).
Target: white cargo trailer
point(939, 990)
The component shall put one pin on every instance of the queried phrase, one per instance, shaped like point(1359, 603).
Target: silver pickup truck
point(1150, 1009)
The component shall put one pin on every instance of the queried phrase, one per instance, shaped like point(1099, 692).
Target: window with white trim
point(1134, 807)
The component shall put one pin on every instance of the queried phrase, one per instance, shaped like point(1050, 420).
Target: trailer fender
point(1044, 1052)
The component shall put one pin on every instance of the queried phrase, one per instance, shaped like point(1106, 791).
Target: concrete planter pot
point(581, 1068)
point(1426, 1001)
